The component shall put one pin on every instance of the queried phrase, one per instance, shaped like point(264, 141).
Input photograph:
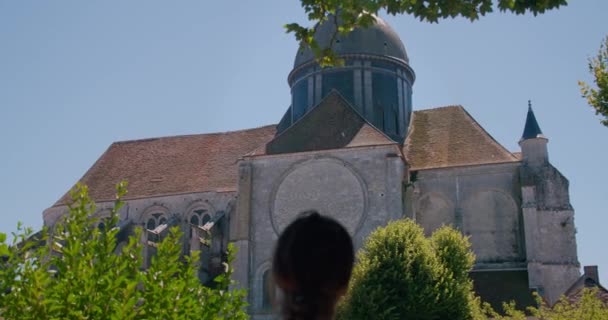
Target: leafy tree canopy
point(588, 306)
point(78, 271)
point(400, 274)
point(349, 14)
point(597, 96)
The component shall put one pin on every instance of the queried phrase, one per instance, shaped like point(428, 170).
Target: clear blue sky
point(77, 75)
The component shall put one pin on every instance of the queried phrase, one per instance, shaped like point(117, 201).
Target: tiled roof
point(440, 137)
point(575, 292)
point(173, 165)
point(449, 136)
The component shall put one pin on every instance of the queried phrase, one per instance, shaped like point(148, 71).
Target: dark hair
point(312, 264)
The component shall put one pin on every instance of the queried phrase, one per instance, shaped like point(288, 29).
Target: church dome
point(378, 39)
point(375, 79)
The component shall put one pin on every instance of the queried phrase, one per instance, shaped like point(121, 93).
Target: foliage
point(598, 97)
point(83, 274)
point(454, 253)
point(510, 312)
point(401, 274)
point(349, 14)
point(587, 307)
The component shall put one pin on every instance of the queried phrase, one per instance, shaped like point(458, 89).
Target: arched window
point(199, 217)
point(155, 220)
point(151, 225)
point(151, 218)
point(194, 220)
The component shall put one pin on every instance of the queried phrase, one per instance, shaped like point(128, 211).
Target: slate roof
point(378, 39)
point(332, 124)
point(531, 129)
point(172, 165)
point(449, 136)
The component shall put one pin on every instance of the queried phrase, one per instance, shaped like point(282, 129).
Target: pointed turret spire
point(531, 129)
point(533, 143)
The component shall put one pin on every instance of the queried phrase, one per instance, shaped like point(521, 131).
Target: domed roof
point(378, 39)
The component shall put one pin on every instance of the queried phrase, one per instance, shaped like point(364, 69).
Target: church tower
point(548, 217)
point(376, 78)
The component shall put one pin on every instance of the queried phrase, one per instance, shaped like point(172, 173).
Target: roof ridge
point(189, 163)
point(365, 120)
point(440, 107)
point(427, 144)
point(387, 139)
point(335, 108)
point(191, 135)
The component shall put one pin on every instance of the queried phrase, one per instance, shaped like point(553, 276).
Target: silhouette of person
point(312, 265)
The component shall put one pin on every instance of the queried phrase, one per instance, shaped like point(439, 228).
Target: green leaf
point(361, 14)
point(4, 251)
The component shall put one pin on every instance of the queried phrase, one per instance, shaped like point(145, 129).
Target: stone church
point(351, 147)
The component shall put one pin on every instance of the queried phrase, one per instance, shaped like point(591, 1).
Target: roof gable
point(574, 293)
point(368, 136)
point(332, 124)
point(172, 165)
point(449, 136)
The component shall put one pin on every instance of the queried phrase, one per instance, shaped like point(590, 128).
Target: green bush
point(76, 274)
point(588, 306)
point(400, 274)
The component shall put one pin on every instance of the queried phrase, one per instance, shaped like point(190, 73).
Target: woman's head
point(312, 264)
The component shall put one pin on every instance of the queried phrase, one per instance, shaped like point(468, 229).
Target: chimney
point(592, 273)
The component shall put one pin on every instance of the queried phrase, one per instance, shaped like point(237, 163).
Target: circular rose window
point(324, 185)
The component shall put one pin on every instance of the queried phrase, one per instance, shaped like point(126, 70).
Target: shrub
point(400, 274)
point(76, 274)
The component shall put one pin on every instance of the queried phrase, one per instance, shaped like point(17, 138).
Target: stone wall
point(550, 231)
point(483, 201)
point(183, 207)
point(360, 187)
